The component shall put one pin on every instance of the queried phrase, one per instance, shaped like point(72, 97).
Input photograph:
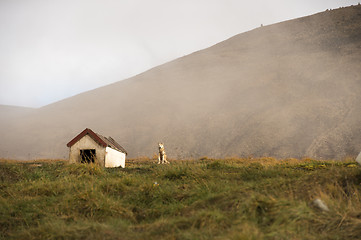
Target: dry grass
point(231, 198)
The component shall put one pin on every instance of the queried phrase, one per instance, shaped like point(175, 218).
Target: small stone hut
point(91, 147)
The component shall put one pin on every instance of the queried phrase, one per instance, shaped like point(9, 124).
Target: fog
point(51, 50)
point(284, 90)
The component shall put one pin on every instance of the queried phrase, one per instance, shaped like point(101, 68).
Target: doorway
point(87, 155)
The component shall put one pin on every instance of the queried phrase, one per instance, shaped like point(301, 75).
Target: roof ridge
point(98, 138)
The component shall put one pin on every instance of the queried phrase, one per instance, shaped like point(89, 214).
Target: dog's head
point(160, 145)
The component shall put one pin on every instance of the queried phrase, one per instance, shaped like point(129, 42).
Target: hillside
point(11, 112)
point(286, 90)
point(223, 199)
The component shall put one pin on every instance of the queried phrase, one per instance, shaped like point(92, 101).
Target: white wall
point(114, 158)
point(358, 159)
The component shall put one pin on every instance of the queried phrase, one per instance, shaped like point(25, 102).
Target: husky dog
point(162, 158)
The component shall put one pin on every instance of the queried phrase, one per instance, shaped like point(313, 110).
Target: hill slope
point(286, 90)
point(238, 199)
point(10, 112)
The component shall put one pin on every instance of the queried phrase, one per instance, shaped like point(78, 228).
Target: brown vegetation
point(199, 199)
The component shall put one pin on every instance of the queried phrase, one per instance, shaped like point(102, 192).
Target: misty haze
point(285, 90)
point(255, 137)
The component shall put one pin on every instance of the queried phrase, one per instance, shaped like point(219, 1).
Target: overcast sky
point(54, 49)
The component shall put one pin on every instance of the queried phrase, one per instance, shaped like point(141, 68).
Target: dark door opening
point(87, 155)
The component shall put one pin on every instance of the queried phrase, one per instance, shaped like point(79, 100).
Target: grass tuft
point(202, 199)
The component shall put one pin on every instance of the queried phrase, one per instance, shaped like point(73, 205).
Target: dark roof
point(101, 140)
point(112, 143)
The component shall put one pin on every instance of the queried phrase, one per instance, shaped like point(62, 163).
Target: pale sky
point(54, 49)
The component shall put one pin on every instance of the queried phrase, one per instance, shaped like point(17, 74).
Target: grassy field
point(200, 199)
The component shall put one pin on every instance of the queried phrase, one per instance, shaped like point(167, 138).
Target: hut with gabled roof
point(91, 147)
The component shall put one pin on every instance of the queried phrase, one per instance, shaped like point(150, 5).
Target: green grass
point(200, 199)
